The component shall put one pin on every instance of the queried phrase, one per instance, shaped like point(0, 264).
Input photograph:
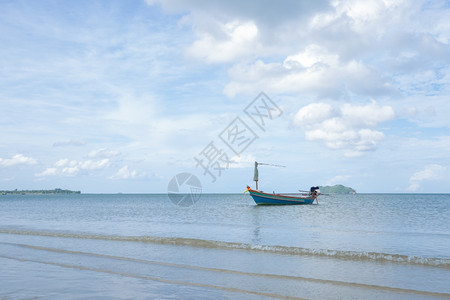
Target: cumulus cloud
point(69, 168)
point(18, 159)
point(323, 48)
point(227, 31)
point(237, 39)
point(94, 165)
point(48, 172)
point(65, 162)
point(70, 171)
point(348, 127)
point(315, 71)
point(126, 173)
point(430, 172)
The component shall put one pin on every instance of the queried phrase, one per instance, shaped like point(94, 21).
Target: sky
point(122, 96)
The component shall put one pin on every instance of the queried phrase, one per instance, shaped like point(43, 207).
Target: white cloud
point(315, 71)
point(66, 167)
point(355, 48)
point(126, 173)
point(313, 54)
point(349, 127)
point(94, 165)
point(18, 159)
point(228, 31)
point(70, 171)
point(236, 39)
point(62, 162)
point(429, 173)
point(364, 14)
point(48, 172)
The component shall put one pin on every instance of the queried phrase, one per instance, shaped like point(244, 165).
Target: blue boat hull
point(261, 198)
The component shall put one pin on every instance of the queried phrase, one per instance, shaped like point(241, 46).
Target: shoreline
point(38, 192)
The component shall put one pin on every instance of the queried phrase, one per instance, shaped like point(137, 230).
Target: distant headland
point(337, 189)
point(38, 192)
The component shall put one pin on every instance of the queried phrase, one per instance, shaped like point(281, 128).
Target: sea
point(223, 246)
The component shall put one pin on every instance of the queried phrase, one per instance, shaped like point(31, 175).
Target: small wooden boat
point(262, 198)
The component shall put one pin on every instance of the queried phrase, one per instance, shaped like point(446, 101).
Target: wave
point(224, 245)
point(204, 269)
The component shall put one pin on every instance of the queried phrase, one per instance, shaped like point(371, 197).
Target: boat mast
point(255, 174)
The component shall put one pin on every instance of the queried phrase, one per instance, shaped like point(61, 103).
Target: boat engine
point(314, 191)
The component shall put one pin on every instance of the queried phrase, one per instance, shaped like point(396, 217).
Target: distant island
point(337, 189)
point(38, 192)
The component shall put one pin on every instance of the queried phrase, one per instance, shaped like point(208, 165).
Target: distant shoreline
point(38, 192)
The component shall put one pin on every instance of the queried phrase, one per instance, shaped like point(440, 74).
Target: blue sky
point(120, 96)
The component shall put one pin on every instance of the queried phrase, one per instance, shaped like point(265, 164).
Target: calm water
point(368, 246)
